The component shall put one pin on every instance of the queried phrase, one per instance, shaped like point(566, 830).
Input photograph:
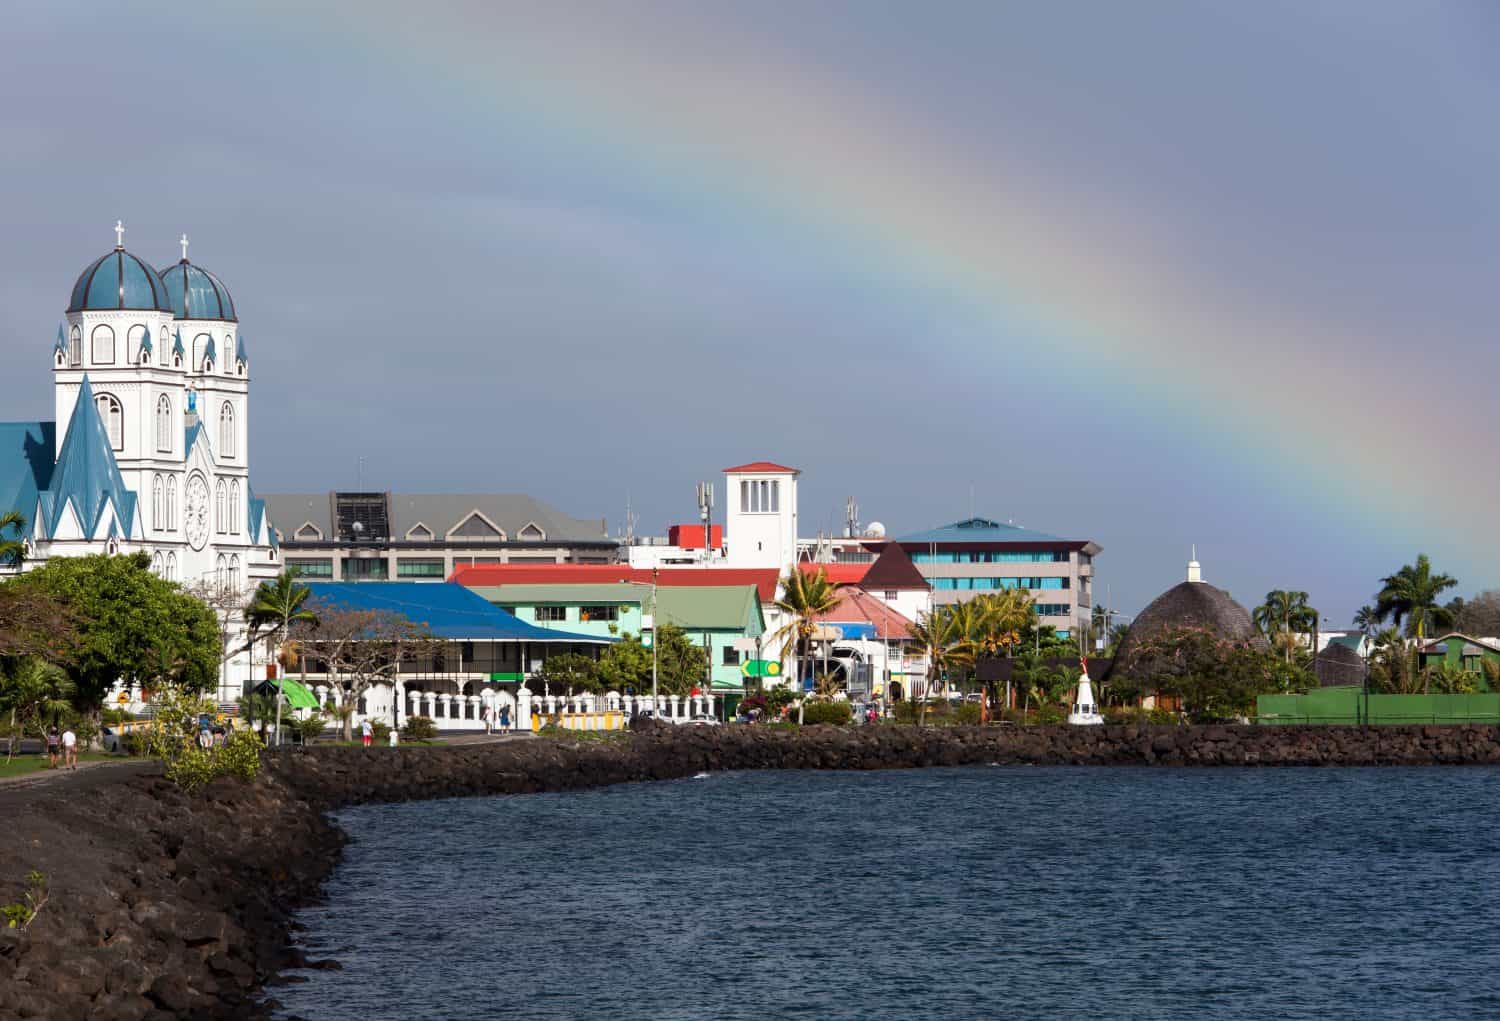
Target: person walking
point(70, 749)
point(488, 715)
point(367, 732)
point(54, 744)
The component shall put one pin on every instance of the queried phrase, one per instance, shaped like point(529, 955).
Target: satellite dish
point(875, 530)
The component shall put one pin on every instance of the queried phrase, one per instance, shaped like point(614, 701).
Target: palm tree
point(276, 607)
point(1005, 615)
point(1367, 619)
point(12, 550)
point(1412, 593)
point(943, 646)
point(805, 597)
point(1283, 616)
point(34, 690)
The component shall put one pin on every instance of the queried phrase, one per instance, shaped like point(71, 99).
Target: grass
point(24, 765)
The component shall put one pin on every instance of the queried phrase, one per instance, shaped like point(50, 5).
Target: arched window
point(164, 423)
point(171, 565)
point(172, 510)
point(113, 417)
point(136, 342)
point(157, 520)
point(234, 507)
point(158, 565)
point(221, 518)
point(226, 429)
point(104, 345)
point(75, 347)
point(234, 571)
point(163, 348)
point(221, 568)
point(200, 350)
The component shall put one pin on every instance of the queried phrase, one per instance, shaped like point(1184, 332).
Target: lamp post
point(654, 630)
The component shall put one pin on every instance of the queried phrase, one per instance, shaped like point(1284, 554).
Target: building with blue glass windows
point(979, 555)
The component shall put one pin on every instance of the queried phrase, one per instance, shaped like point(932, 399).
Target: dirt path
point(112, 769)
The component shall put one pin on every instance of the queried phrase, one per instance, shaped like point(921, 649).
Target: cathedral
point(149, 448)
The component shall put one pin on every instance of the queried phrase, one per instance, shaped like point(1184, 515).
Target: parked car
point(702, 720)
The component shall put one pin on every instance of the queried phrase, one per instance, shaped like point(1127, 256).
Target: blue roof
point(257, 515)
point(195, 293)
point(449, 610)
point(980, 530)
point(118, 280)
point(177, 348)
point(86, 474)
point(239, 348)
point(25, 465)
point(62, 339)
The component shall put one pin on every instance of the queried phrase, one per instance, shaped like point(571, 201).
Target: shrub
point(20, 915)
point(1137, 715)
point(967, 715)
point(836, 713)
point(419, 728)
point(380, 732)
point(307, 729)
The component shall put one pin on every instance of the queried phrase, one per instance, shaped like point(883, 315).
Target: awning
point(298, 696)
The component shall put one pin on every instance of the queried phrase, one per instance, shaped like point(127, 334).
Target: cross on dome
point(183, 241)
point(119, 234)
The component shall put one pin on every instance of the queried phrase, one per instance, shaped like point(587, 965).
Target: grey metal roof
point(442, 512)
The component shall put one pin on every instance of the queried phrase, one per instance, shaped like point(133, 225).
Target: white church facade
point(149, 450)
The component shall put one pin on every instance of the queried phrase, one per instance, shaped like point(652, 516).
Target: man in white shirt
point(70, 749)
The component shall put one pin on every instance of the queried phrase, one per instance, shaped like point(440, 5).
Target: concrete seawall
point(165, 905)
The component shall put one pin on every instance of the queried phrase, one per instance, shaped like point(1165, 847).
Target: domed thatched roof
point(1191, 604)
point(1337, 665)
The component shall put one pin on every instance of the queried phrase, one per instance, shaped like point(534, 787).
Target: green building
point(726, 619)
point(1460, 651)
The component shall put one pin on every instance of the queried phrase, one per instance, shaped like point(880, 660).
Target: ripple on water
point(1327, 894)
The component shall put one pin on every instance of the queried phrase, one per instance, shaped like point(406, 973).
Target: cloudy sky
point(1150, 274)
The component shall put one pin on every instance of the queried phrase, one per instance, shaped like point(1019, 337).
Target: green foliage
point(259, 710)
point(626, 665)
point(380, 732)
point(419, 728)
point(21, 915)
point(1451, 679)
point(1283, 616)
point(309, 728)
point(834, 713)
point(130, 624)
point(1138, 715)
point(1215, 678)
point(173, 739)
point(570, 671)
point(1412, 593)
point(240, 755)
point(35, 694)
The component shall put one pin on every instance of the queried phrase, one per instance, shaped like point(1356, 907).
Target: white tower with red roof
point(760, 519)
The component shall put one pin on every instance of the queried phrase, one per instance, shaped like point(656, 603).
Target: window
point(1053, 609)
point(136, 344)
point(164, 423)
point(103, 339)
point(310, 568)
point(890, 594)
point(307, 532)
point(171, 515)
point(551, 614)
point(200, 351)
point(226, 429)
point(762, 497)
point(163, 349)
point(595, 613)
point(234, 507)
point(731, 656)
point(987, 557)
point(407, 567)
point(234, 570)
point(157, 520)
point(221, 501)
point(75, 347)
point(171, 563)
point(113, 417)
point(366, 569)
point(158, 565)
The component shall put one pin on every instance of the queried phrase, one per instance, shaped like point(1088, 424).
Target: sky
point(1154, 275)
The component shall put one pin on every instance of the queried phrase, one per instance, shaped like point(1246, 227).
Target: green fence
point(1353, 706)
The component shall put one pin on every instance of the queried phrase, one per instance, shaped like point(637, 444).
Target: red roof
point(838, 574)
point(478, 575)
point(856, 606)
point(760, 466)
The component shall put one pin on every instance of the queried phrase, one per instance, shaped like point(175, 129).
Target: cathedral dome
point(195, 293)
point(118, 280)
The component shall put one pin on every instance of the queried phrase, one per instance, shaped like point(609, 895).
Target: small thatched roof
point(1338, 665)
point(1189, 604)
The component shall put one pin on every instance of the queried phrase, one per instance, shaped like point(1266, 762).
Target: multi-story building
point(346, 536)
point(970, 557)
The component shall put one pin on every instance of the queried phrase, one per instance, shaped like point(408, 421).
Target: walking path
point(60, 775)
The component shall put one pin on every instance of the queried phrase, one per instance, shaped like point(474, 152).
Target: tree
point(569, 672)
point(1412, 593)
point(33, 690)
point(1394, 666)
point(35, 623)
point(1367, 619)
point(805, 597)
point(1282, 617)
point(12, 550)
point(276, 607)
point(941, 644)
point(625, 666)
point(359, 648)
point(1480, 616)
point(1214, 677)
point(130, 624)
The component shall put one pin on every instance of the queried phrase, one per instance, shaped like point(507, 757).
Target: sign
point(761, 668)
point(123, 698)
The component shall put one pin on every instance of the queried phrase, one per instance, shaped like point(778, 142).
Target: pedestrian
point(367, 732)
point(205, 738)
point(54, 742)
point(488, 715)
point(70, 748)
point(505, 717)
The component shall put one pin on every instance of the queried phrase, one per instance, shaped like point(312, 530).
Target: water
point(961, 893)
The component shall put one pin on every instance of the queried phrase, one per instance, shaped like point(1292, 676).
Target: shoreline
point(168, 905)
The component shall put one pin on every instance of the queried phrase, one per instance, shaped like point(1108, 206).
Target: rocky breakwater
point(159, 904)
point(162, 904)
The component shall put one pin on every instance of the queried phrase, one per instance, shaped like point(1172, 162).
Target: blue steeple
point(86, 477)
point(239, 349)
point(62, 339)
point(210, 353)
point(177, 345)
point(146, 341)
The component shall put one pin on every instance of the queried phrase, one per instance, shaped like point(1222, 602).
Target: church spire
point(1194, 570)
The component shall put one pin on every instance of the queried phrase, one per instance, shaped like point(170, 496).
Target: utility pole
point(655, 629)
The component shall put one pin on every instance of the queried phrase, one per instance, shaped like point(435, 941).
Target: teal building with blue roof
point(147, 451)
point(979, 555)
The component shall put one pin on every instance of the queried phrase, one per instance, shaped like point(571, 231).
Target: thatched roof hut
point(1192, 604)
point(1338, 665)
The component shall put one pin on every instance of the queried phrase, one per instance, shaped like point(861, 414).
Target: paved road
point(49, 776)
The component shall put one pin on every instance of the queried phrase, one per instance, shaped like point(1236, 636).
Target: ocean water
point(959, 893)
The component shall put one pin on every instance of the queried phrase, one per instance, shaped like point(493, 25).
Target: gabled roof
point(449, 611)
point(86, 477)
point(979, 530)
point(764, 579)
point(837, 574)
point(257, 515)
point(1473, 646)
point(757, 467)
point(893, 569)
point(26, 450)
point(857, 606)
point(711, 608)
point(589, 594)
point(441, 512)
